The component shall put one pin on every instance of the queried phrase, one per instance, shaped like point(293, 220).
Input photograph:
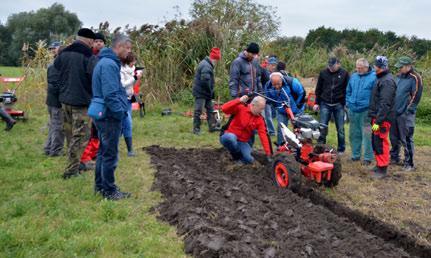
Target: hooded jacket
point(382, 98)
point(244, 77)
point(107, 84)
point(53, 87)
point(409, 92)
point(75, 65)
point(203, 86)
point(359, 90)
point(285, 94)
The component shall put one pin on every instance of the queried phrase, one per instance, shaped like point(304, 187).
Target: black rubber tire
point(335, 176)
point(293, 172)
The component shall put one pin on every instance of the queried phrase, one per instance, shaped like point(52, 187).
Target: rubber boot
point(380, 173)
point(130, 151)
point(10, 122)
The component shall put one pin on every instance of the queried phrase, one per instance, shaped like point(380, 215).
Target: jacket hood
point(108, 53)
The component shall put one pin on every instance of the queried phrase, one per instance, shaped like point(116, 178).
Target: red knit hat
point(215, 53)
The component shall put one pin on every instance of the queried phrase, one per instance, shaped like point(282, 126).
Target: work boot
point(197, 131)
point(10, 124)
point(117, 195)
point(366, 163)
point(409, 168)
point(396, 162)
point(380, 173)
point(213, 129)
point(68, 175)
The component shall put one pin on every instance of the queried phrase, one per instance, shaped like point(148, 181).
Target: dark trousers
point(55, 142)
point(200, 103)
point(401, 134)
point(325, 115)
point(5, 116)
point(107, 157)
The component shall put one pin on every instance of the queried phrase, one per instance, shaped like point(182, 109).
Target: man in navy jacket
point(107, 85)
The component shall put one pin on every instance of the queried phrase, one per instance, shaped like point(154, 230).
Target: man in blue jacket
point(107, 85)
point(278, 89)
point(358, 95)
point(408, 95)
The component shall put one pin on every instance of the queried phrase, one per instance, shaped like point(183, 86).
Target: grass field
point(41, 215)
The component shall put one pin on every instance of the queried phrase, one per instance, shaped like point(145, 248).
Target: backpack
point(289, 81)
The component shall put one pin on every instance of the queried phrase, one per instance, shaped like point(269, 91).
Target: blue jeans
point(107, 156)
point(281, 118)
point(360, 135)
point(127, 122)
point(268, 120)
point(238, 150)
point(325, 115)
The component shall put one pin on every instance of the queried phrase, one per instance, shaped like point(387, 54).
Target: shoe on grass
point(117, 195)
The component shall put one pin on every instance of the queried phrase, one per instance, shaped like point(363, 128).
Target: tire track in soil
point(242, 214)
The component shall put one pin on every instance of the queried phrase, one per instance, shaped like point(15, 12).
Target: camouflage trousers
point(77, 132)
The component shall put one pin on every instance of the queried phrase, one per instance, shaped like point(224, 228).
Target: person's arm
point(127, 80)
point(110, 89)
point(234, 79)
point(297, 87)
point(319, 88)
point(416, 93)
point(345, 82)
point(348, 92)
point(261, 130)
point(231, 107)
point(205, 79)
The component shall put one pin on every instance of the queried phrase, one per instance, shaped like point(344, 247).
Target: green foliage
point(48, 24)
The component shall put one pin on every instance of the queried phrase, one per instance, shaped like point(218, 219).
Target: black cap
point(100, 36)
point(86, 33)
point(332, 61)
point(253, 48)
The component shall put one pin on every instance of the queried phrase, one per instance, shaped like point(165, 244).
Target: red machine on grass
point(8, 98)
point(298, 157)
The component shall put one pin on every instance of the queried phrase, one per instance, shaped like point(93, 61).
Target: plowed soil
point(225, 211)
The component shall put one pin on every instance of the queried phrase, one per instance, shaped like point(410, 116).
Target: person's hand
point(375, 127)
point(316, 108)
point(244, 99)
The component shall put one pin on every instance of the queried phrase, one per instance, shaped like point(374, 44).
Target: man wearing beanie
point(243, 73)
point(407, 97)
point(203, 90)
point(381, 114)
point(99, 43)
point(75, 66)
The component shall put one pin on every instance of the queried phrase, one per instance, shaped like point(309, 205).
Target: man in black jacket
point(381, 113)
point(203, 90)
point(331, 98)
point(75, 65)
point(55, 142)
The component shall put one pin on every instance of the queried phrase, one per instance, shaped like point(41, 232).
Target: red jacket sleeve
point(261, 130)
point(231, 107)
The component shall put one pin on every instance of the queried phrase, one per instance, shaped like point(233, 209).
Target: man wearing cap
point(55, 142)
point(331, 98)
point(268, 114)
point(99, 43)
point(381, 114)
point(407, 97)
point(75, 65)
point(243, 73)
point(203, 90)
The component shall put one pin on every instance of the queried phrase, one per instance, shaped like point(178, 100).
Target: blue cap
point(382, 62)
point(272, 60)
point(55, 44)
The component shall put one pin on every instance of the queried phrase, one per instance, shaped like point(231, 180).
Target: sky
point(408, 17)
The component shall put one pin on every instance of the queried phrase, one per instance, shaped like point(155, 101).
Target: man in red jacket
point(246, 119)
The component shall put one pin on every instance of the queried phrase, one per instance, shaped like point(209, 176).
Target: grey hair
point(276, 74)
point(120, 39)
point(258, 99)
point(363, 61)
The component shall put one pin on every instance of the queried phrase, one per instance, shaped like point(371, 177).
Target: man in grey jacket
point(203, 90)
point(55, 142)
point(244, 73)
point(408, 95)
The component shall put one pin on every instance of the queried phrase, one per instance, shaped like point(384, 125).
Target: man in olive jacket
point(203, 90)
point(75, 65)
